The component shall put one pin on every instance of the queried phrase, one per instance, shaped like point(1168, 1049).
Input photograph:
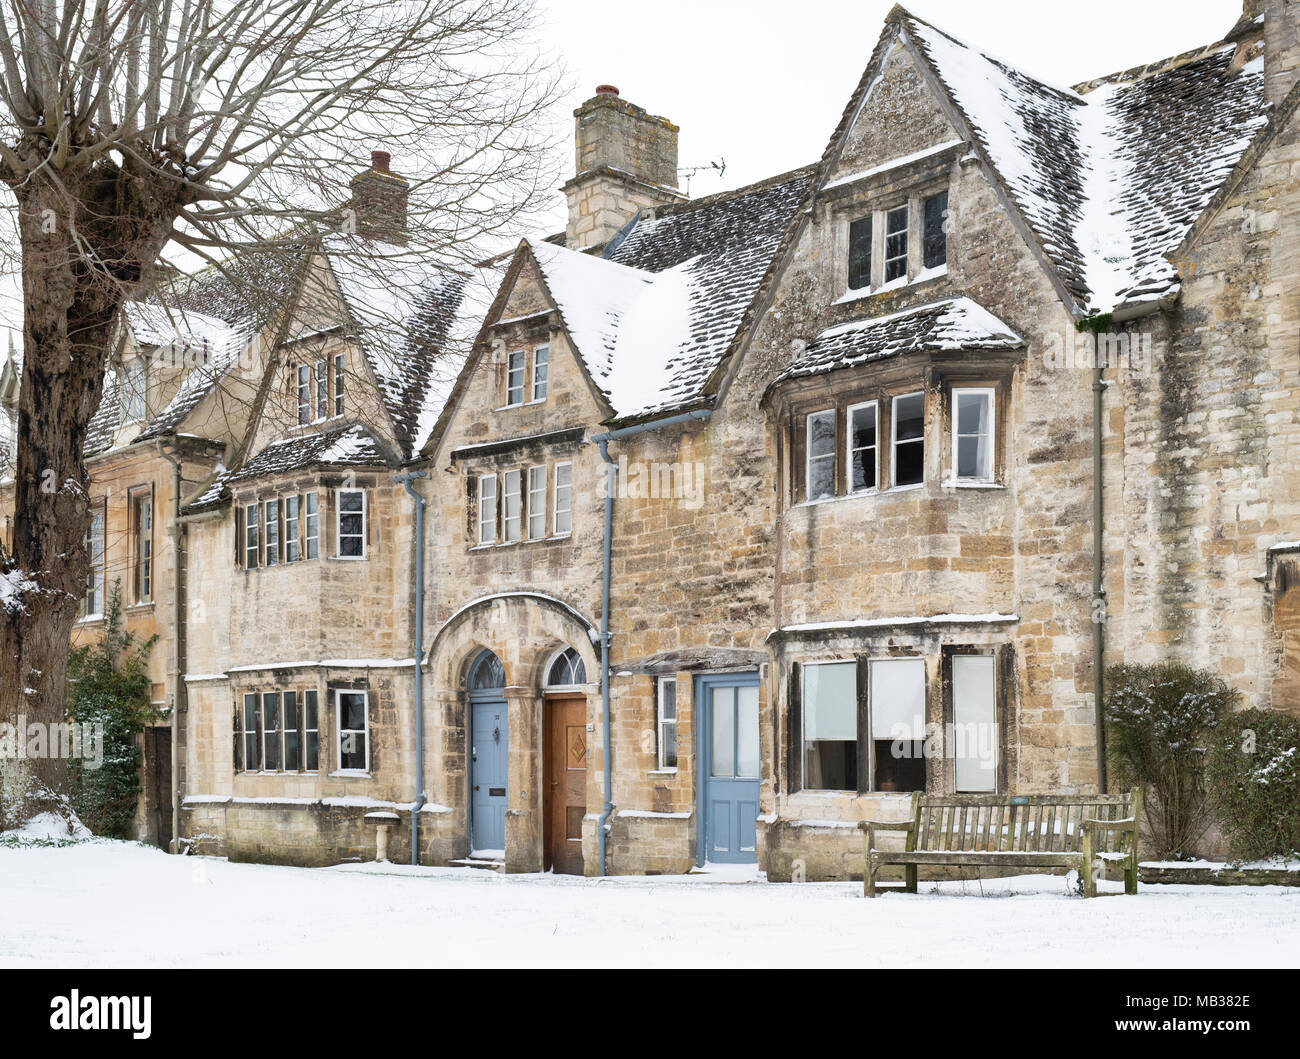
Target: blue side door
point(489, 740)
point(729, 750)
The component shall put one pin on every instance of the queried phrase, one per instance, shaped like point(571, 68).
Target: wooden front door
point(566, 782)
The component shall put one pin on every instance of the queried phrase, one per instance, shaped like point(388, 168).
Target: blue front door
point(728, 711)
point(489, 740)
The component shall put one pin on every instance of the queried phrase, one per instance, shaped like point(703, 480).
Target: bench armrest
point(886, 825)
point(1127, 824)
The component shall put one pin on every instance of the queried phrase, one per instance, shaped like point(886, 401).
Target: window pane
point(830, 726)
point(271, 731)
point(975, 723)
point(563, 498)
point(722, 725)
point(352, 711)
point(668, 699)
point(322, 391)
point(668, 746)
point(304, 393)
point(515, 378)
point(821, 455)
point(536, 502)
point(974, 414)
point(935, 246)
point(898, 724)
point(338, 383)
point(250, 733)
point(310, 531)
point(541, 364)
point(292, 761)
point(272, 532)
point(487, 509)
point(860, 254)
point(312, 763)
point(909, 443)
point(291, 529)
point(896, 244)
point(512, 523)
point(747, 763)
point(862, 447)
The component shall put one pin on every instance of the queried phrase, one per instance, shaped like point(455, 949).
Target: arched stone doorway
point(527, 642)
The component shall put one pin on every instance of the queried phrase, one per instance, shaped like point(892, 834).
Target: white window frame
point(311, 524)
point(953, 661)
point(906, 235)
point(250, 764)
point(303, 382)
point(513, 400)
point(271, 532)
point(893, 440)
point(991, 394)
point(277, 734)
point(135, 382)
point(536, 503)
point(338, 524)
point(661, 721)
point(540, 386)
point(512, 526)
point(849, 450)
point(340, 367)
point(306, 731)
point(808, 456)
point(95, 555)
point(142, 547)
point(322, 404)
point(482, 521)
point(292, 552)
point(567, 509)
point(252, 536)
point(803, 722)
point(339, 731)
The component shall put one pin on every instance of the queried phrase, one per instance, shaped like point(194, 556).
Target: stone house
point(174, 405)
point(856, 474)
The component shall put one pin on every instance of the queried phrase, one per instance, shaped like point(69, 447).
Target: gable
point(900, 116)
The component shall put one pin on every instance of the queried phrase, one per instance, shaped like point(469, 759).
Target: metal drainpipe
point(420, 503)
point(611, 475)
point(177, 532)
point(1098, 582)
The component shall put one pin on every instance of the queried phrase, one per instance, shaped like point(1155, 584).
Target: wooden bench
point(1022, 831)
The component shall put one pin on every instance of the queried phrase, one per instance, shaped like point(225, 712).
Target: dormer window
point(897, 243)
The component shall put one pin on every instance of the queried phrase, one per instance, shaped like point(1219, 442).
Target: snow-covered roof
point(654, 320)
point(1111, 180)
point(949, 325)
point(351, 446)
point(405, 309)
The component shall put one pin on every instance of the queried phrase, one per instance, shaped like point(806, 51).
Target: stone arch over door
point(525, 631)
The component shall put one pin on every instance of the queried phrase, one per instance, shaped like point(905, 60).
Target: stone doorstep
point(1219, 875)
point(473, 862)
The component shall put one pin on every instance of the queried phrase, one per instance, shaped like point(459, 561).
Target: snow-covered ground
point(118, 904)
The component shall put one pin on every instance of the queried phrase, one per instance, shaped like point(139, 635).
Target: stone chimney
point(626, 160)
point(1279, 36)
point(379, 201)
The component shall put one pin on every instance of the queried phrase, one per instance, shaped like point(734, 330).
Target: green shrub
point(1254, 775)
point(1158, 720)
point(108, 684)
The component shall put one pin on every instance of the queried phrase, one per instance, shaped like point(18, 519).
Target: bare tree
point(194, 129)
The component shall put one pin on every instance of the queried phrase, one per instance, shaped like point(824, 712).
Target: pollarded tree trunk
point(84, 247)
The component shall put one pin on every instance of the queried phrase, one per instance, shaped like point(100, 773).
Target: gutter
point(611, 475)
point(1098, 583)
point(178, 534)
point(420, 504)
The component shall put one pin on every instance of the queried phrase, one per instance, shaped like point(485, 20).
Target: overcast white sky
point(762, 83)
